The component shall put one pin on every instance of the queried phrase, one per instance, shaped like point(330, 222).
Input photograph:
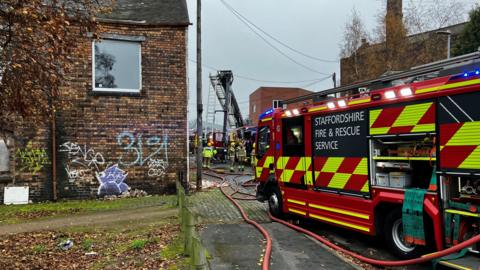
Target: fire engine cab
point(399, 159)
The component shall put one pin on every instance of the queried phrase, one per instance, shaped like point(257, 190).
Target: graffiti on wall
point(112, 181)
point(32, 159)
point(157, 167)
point(83, 156)
point(152, 151)
point(82, 161)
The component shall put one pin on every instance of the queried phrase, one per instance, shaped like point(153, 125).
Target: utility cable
point(259, 80)
point(272, 45)
point(276, 39)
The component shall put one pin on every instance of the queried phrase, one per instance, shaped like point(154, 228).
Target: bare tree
point(36, 41)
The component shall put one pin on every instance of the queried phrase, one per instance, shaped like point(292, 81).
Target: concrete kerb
point(193, 246)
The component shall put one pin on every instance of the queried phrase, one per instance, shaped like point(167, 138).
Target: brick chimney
point(394, 18)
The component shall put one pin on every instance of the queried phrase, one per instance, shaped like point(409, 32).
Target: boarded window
point(4, 157)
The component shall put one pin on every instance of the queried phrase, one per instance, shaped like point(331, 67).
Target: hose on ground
point(422, 259)
point(268, 248)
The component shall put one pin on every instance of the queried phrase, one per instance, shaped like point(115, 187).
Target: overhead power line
point(276, 39)
point(269, 43)
point(260, 80)
point(317, 81)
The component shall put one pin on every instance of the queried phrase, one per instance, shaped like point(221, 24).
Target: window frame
point(268, 132)
point(118, 90)
point(298, 149)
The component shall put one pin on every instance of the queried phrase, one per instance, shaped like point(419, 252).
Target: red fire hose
point(268, 249)
point(323, 240)
point(423, 259)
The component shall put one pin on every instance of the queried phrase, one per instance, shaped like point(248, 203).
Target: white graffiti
point(86, 157)
point(77, 174)
point(157, 167)
point(134, 149)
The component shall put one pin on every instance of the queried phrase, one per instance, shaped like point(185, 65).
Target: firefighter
point(208, 153)
point(231, 156)
point(241, 156)
point(253, 157)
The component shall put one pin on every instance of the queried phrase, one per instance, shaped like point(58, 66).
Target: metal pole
point(449, 37)
point(199, 96)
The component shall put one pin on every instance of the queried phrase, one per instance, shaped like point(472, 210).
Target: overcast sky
point(314, 27)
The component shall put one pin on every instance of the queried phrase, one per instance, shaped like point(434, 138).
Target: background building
point(398, 52)
point(262, 98)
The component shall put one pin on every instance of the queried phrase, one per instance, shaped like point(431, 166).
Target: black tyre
point(393, 235)
point(275, 204)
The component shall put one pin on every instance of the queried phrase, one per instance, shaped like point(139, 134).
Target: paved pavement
point(233, 244)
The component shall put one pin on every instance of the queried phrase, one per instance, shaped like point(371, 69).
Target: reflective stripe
point(332, 164)
point(373, 116)
point(463, 213)
point(297, 211)
point(376, 131)
point(316, 109)
point(411, 114)
point(296, 202)
point(466, 135)
point(359, 101)
point(339, 180)
point(447, 86)
point(366, 187)
point(267, 119)
point(362, 167)
point(346, 224)
point(424, 128)
point(472, 161)
point(340, 211)
point(456, 266)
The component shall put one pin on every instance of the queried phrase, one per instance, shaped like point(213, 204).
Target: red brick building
point(127, 127)
point(261, 99)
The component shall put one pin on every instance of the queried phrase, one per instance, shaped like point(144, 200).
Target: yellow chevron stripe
point(424, 128)
point(378, 131)
point(447, 86)
point(339, 180)
point(362, 167)
point(332, 164)
point(316, 109)
point(411, 114)
point(346, 224)
point(308, 178)
point(359, 101)
point(472, 161)
point(339, 211)
point(366, 187)
point(282, 162)
point(258, 171)
point(287, 175)
point(466, 135)
point(373, 116)
point(301, 165)
point(296, 202)
point(297, 211)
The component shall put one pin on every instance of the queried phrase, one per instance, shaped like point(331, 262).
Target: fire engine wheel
point(394, 237)
point(275, 202)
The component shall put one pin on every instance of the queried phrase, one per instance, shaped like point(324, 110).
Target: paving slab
point(240, 246)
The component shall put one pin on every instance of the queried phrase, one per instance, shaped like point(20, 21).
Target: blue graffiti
point(112, 181)
point(134, 148)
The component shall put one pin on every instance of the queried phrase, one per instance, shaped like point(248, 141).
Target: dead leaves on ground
point(102, 249)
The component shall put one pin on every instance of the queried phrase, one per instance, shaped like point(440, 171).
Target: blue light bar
point(265, 113)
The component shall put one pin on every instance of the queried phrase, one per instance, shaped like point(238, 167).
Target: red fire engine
point(400, 161)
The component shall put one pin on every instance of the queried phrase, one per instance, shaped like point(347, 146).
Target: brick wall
point(143, 134)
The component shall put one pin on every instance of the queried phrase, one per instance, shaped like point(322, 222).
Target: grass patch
point(87, 244)
point(39, 249)
point(11, 214)
point(138, 244)
point(173, 252)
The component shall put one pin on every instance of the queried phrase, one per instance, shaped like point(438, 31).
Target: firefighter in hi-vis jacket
point(241, 156)
point(208, 153)
point(231, 156)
